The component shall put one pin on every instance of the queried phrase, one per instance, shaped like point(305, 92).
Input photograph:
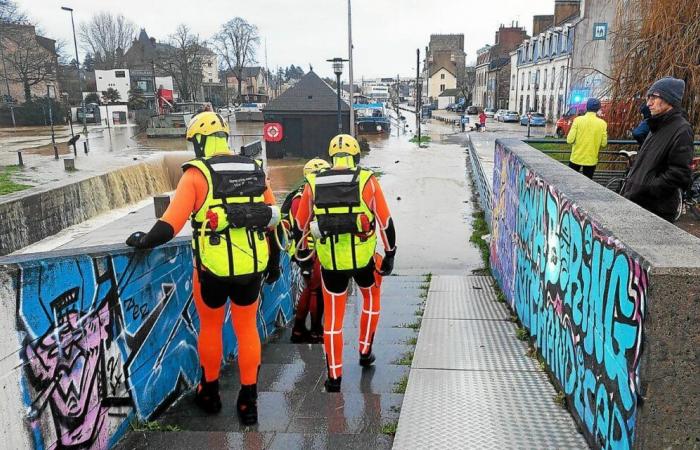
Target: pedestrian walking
point(588, 134)
point(662, 169)
point(232, 212)
point(342, 208)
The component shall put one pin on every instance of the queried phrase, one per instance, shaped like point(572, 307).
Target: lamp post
point(80, 78)
point(338, 70)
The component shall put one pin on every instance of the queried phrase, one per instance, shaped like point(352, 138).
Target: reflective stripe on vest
point(339, 193)
point(227, 252)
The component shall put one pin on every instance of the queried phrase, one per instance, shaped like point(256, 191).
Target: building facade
point(483, 59)
point(445, 63)
point(117, 79)
point(540, 69)
point(30, 66)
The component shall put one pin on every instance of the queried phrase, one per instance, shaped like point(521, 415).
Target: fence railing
point(611, 164)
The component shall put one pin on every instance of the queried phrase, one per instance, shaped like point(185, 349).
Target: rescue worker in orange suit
point(342, 208)
point(232, 212)
point(311, 297)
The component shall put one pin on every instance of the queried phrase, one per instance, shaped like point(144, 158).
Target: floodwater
point(427, 189)
point(429, 194)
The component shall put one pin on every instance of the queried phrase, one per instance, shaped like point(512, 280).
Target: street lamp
point(80, 78)
point(338, 70)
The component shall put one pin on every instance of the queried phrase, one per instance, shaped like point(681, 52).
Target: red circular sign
point(273, 132)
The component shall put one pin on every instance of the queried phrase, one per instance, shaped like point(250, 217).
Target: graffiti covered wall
point(578, 290)
point(107, 338)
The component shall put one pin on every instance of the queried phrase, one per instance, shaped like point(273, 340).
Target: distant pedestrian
point(641, 131)
point(662, 168)
point(482, 121)
point(588, 134)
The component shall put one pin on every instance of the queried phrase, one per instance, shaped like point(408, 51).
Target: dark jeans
point(587, 170)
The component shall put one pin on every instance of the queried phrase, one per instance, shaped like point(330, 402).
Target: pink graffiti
point(66, 361)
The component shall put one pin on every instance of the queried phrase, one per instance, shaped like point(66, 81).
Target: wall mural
point(113, 337)
point(580, 292)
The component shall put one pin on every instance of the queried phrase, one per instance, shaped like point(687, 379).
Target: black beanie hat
point(670, 89)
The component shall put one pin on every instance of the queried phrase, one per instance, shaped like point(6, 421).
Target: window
point(442, 76)
point(521, 105)
point(529, 76)
point(561, 78)
point(512, 82)
point(119, 74)
point(544, 80)
point(442, 87)
point(522, 81)
point(553, 71)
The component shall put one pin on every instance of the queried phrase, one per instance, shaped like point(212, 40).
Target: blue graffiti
point(114, 336)
point(580, 293)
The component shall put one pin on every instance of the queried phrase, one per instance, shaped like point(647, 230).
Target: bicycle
point(688, 200)
point(616, 184)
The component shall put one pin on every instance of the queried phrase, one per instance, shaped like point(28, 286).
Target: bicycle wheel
point(693, 194)
point(615, 184)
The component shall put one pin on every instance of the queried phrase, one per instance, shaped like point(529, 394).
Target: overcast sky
point(386, 33)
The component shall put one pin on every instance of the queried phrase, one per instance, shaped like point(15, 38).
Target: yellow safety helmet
point(343, 143)
point(207, 123)
point(315, 165)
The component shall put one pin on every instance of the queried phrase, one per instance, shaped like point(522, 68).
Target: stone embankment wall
point(96, 338)
point(28, 217)
point(609, 294)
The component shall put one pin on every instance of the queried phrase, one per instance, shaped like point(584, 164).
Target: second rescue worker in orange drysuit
point(341, 208)
point(231, 207)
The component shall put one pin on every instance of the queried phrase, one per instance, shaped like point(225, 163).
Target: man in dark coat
point(662, 169)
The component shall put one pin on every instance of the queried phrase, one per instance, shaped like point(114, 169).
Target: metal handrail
point(610, 141)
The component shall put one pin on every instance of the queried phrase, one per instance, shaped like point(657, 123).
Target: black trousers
point(587, 170)
point(243, 290)
point(336, 281)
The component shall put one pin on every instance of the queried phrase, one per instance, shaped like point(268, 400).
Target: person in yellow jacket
point(588, 134)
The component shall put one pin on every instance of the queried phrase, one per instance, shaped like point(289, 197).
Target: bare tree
point(649, 43)
point(103, 35)
point(237, 43)
point(466, 83)
point(28, 58)
point(183, 60)
point(10, 13)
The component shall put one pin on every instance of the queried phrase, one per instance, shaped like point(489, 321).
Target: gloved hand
point(272, 273)
point(387, 263)
point(137, 240)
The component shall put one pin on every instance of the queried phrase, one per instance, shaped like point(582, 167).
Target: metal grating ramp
point(471, 383)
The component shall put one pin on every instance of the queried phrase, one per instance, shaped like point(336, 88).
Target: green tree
point(111, 95)
point(92, 97)
point(89, 63)
point(136, 99)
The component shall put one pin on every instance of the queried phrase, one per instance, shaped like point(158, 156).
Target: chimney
point(564, 9)
point(541, 23)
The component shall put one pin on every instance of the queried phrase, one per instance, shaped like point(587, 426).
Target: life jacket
point(228, 230)
point(345, 234)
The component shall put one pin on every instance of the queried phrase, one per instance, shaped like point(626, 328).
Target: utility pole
point(350, 74)
point(80, 78)
point(419, 95)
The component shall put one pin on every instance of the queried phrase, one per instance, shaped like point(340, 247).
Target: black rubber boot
point(333, 384)
point(207, 396)
point(247, 404)
point(300, 334)
point(366, 360)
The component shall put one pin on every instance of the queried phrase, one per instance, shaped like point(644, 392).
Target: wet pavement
point(294, 409)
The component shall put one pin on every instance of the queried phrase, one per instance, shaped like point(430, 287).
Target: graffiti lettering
point(578, 290)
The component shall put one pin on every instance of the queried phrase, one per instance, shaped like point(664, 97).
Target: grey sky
point(386, 33)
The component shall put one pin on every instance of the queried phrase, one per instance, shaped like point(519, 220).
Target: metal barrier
point(610, 165)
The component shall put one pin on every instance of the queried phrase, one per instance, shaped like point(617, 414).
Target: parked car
point(613, 113)
point(472, 110)
point(460, 107)
point(498, 114)
point(536, 119)
point(450, 107)
point(490, 112)
point(509, 116)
